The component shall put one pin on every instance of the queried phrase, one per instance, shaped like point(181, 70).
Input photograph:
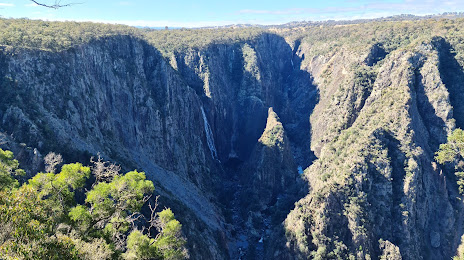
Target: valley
point(306, 142)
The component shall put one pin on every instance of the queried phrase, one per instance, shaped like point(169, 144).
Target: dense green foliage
point(166, 246)
point(41, 220)
point(453, 149)
point(55, 35)
point(8, 165)
point(58, 36)
point(178, 40)
point(453, 152)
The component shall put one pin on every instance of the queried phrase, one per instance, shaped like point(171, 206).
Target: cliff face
point(222, 130)
point(239, 82)
point(119, 97)
point(375, 182)
point(272, 167)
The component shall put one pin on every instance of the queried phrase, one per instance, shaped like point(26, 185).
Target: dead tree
point(104, 171)
point(51, 161)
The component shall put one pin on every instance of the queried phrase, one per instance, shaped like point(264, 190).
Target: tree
point(168, 243)
point(27, 225)
point(51, 161)
point(113, 205)
point(41, 219)
point(104, 171)
point(58, 189)
point(113, 211)
point(453, 152)
point(8, 168)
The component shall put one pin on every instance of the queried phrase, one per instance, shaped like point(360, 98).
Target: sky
point(200, 13)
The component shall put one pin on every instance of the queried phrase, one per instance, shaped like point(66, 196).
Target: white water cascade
point(209, 136)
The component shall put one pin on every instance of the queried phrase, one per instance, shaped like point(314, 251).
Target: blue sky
point(185, 13)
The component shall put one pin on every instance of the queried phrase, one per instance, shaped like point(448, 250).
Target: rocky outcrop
point(271, 167)
point(239, 82)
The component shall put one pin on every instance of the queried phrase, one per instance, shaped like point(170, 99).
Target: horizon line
point(160, 24)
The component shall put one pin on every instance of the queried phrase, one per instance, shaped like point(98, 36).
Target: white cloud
point(7, 4)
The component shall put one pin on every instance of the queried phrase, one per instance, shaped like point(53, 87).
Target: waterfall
point(209, 136)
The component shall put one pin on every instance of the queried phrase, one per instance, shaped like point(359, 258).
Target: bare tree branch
point(104, 171)
point(133, 218)
point(56, 5)
point(153, 223)
point(51, 161)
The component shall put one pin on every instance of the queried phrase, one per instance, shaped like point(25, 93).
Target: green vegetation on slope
point(453, 152)
point(8, 167)
point(179, 40)
point(57, 36)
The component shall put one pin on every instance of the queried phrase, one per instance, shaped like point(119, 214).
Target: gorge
point(222, 120)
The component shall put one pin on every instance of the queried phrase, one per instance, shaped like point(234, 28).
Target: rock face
point(374, 181)
point(365, 120)
point(272, 167)
point(119, 97)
